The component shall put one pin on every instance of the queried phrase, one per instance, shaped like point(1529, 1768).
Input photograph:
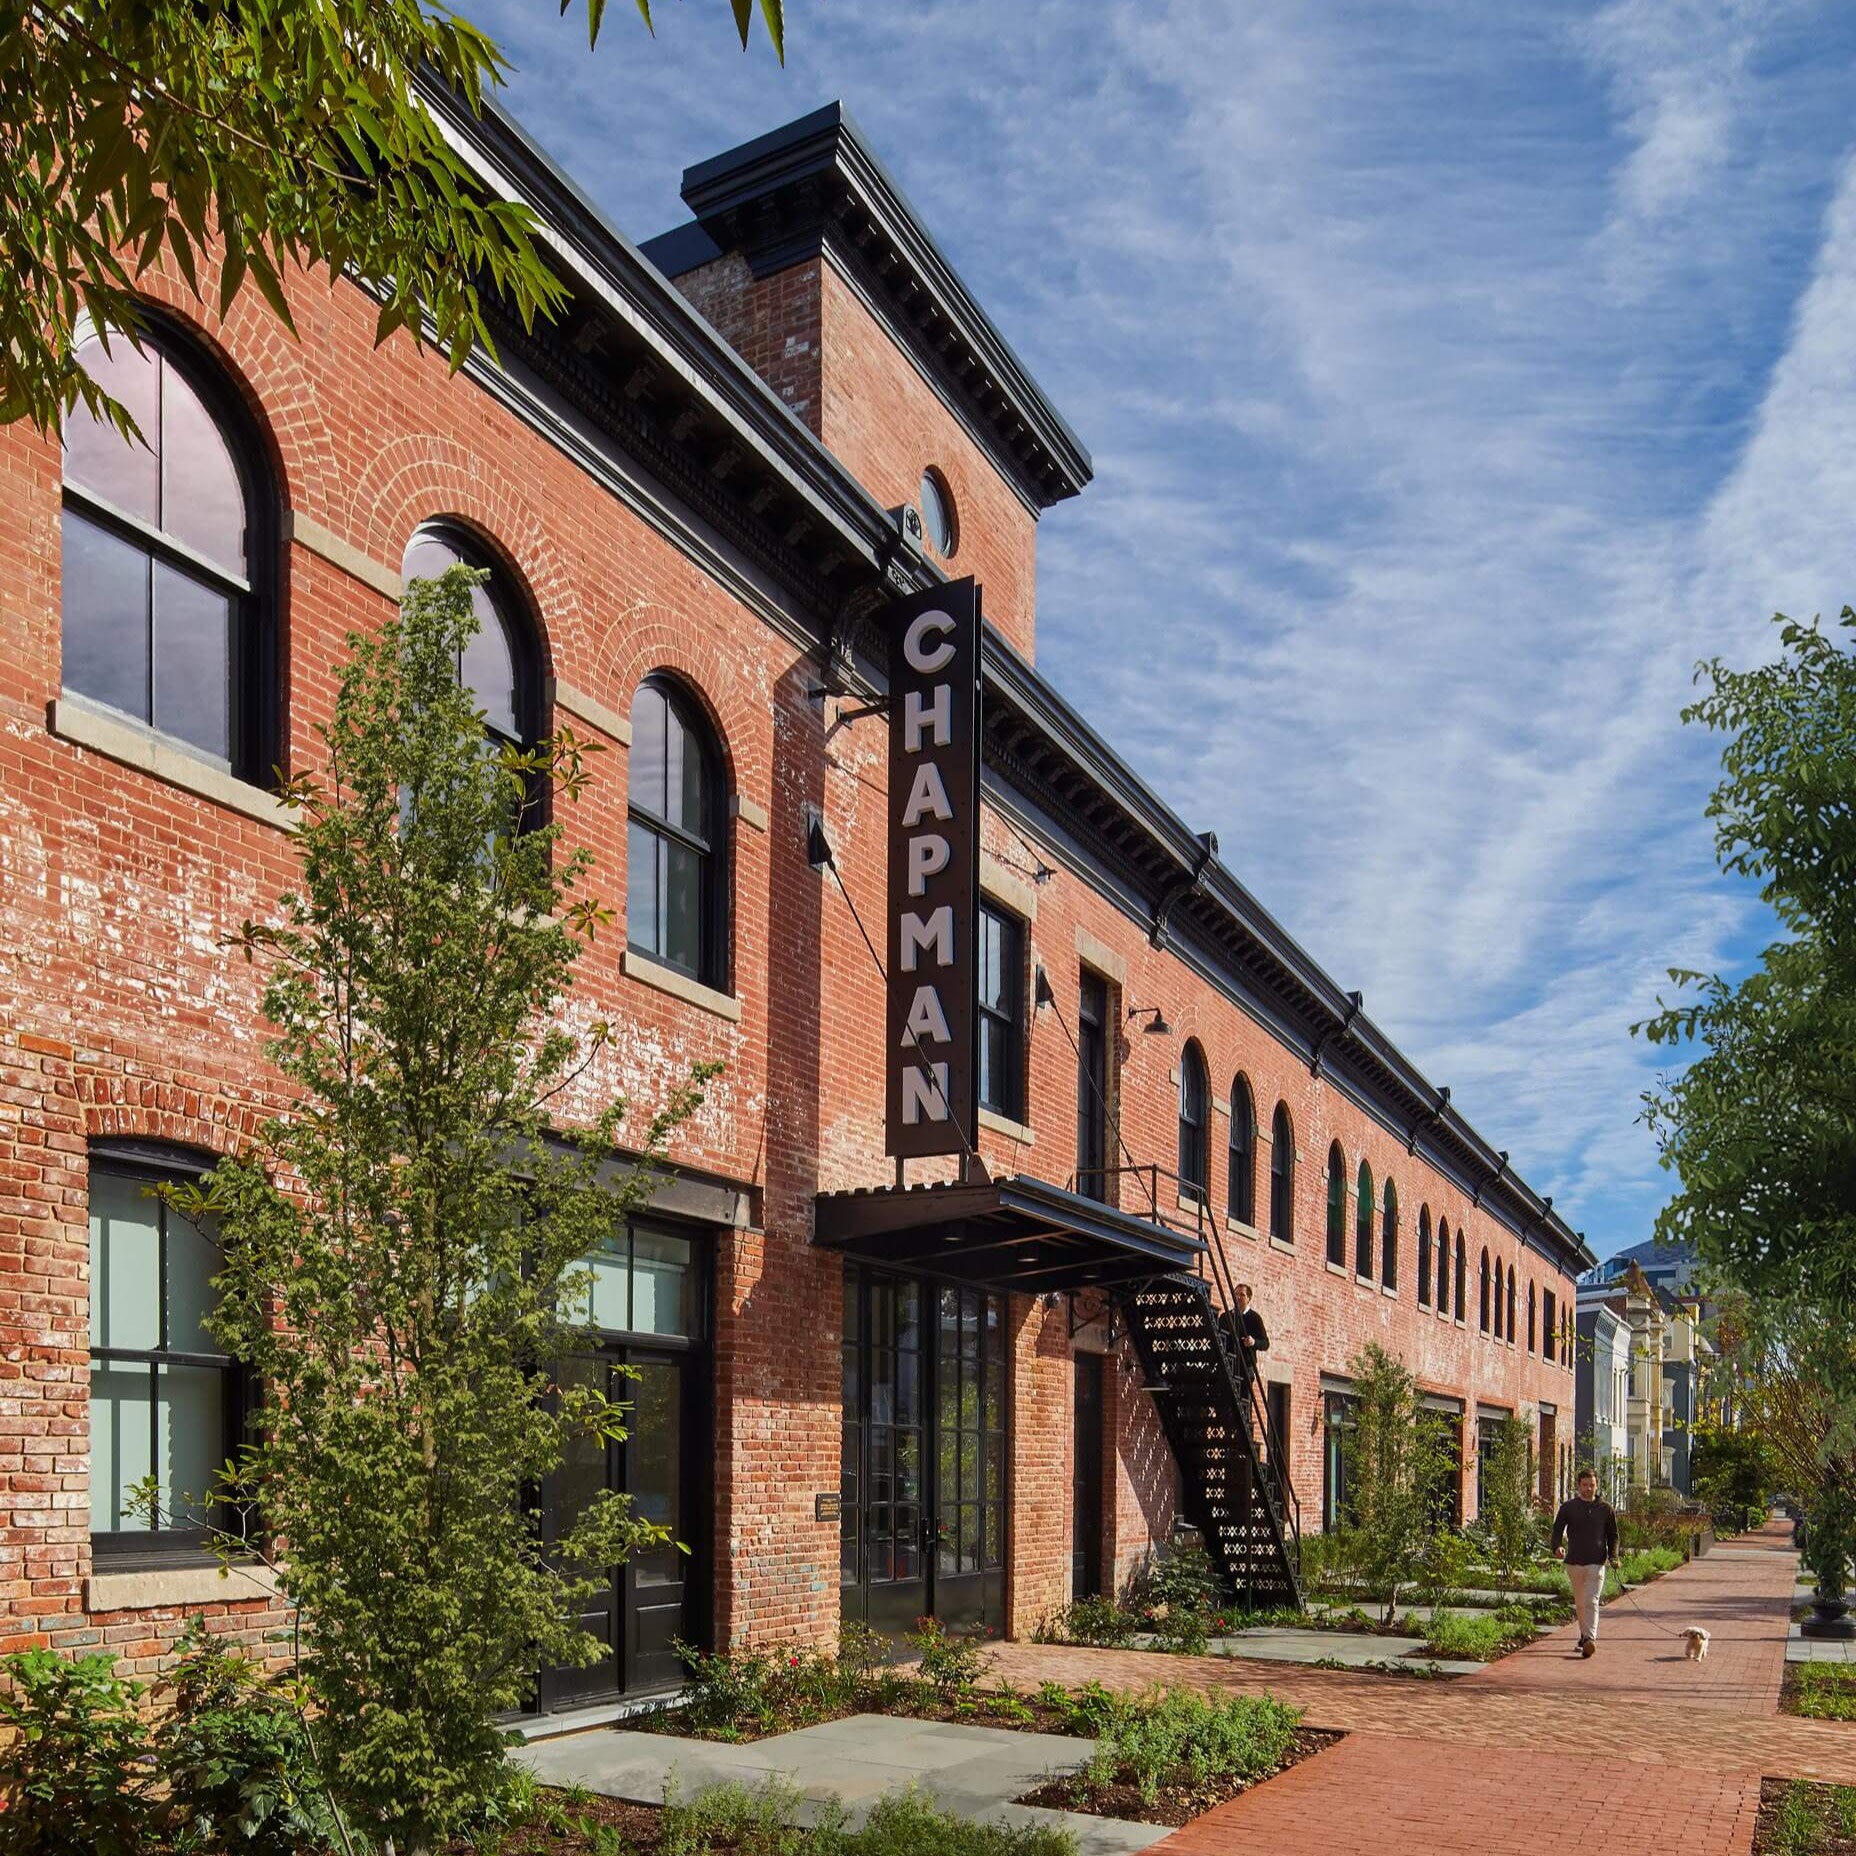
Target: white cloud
point(1456, 377)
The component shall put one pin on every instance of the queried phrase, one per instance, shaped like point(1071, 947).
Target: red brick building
point(696, 493)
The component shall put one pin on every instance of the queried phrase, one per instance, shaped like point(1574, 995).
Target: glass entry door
point(924, 1478)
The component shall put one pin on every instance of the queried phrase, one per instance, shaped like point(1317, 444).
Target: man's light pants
point(1588, 1586)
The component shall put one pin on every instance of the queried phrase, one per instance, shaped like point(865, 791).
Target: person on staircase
point(1244, 1332)
point(1585, 1536)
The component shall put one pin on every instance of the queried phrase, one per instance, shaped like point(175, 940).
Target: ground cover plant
point(1459, 1637)
point(1821, 1691)
point(1165, 1756)
point(1800, 1818)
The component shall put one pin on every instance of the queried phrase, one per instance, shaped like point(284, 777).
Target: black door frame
point(893, 1606)
point(1088, 1447)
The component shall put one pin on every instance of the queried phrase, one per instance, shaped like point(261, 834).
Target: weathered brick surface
point(121, 1013)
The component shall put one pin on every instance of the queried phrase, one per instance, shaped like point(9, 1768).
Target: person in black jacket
point(1585, 1536)
point(1244, 1332)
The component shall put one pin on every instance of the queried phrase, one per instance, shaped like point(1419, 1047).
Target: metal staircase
point(1230, 1471)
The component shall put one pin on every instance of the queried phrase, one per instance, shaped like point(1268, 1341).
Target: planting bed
point(1799, 1818)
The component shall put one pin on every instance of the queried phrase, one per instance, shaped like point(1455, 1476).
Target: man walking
point(1585, 1536)
point(1244, 1332)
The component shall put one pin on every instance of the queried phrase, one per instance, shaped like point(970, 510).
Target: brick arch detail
point(140, 1109)
point(264, 365)
point(421, 477)
point(629, 654)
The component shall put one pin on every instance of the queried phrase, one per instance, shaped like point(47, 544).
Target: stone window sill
point(1243, 1230)
point(1284, 1245)
point(120, 739)
point(1389, 1288)
point(163, 1586)
point(1003, 1124)
point(1335, 1269)
point(649, 972)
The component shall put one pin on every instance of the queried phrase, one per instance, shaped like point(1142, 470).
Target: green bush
point(1099, 1623)
point(737, 1692)
point(1480, 1638)
point(952, 1661)
point(1086, 1711)
point(1639, 1568)
point(770, 1821)
point(236, 1759)
point(1175, 1735)
point(79, 1770)
point(1824, 1691)
point(1176, 1596)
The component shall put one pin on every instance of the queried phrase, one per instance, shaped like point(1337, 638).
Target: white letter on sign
point(928, 856)
point(927, 797)
point(917, 714)
point(919, 1094)
point(919, 937)
point(926, 1018)
point(936, 658)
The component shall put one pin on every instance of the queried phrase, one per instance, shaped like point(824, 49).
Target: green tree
point(403, 1249)
point(1507, 1505)
point(1733, 1473)
point(1394, 1460)
point(290, 132)
point(1760, 1129)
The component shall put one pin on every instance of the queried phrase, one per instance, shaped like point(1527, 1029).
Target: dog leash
point(1631, 1597)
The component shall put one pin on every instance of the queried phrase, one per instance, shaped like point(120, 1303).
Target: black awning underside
point(1016, 1233)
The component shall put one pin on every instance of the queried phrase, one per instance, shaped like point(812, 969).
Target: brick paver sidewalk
point(1666, 1749)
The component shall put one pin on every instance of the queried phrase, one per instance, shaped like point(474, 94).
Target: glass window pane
point(193, 1262)
point(125, 1264)
point(653, 1459)
point(689, 778)
point(119, 1444)
point(646, 760)
point(644, 919)
point(908, 1465)
point(193, 662)
point(663, 1284)
point(105, 617)
point(190, 1440)
point(994, 1543)
point(683, 881)
point(202, 501)
point(124, 472)
point(489, 670)
point(427, 557)
point(611, 1284)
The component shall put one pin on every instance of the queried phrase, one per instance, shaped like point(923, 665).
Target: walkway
point(1640, 1743)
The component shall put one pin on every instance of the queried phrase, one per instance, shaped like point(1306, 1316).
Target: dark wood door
point(1086, 1480)
point(643, 1607)
point(969, 1488)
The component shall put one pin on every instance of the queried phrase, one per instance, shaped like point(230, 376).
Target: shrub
point(237, 1759)
point(1176, 1735)
point(1176, 1594)
point(78, 1772)
point(1085, 1711)
point(1638, 1568)
point(1099, 1623)
point(735, 1692)
point(1480, 1638)
point(1508, 1496)
point(907, 1824)
point(1444, 1565)
point(952, 1661)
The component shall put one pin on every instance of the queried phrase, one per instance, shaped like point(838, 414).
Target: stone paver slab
point(1356, 1649)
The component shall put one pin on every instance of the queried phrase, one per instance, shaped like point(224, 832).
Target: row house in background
point(864, 1388)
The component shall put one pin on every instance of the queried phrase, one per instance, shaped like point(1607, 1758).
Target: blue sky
point(1456, 377)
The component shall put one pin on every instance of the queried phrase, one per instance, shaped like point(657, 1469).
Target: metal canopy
point(1015, 1233)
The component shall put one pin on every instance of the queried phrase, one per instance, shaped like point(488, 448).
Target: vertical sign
point(934, 869)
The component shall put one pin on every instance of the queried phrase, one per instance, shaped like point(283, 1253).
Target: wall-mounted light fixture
point(1041, 993)
point(1156, 1025)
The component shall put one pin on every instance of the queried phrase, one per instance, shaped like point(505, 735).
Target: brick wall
point(119, 1012)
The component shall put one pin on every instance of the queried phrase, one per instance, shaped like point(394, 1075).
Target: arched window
point(1337, 1206)
point(1388, 1238)
point(1241, 1189)
point(1462, 1277)
point(1483, 1320)
point(1498, 1298)
point(1195, 1102)
point(1509, 1330)
point(1363, 1223)
point(1443, 1271)
point(1424, 1256)
point(500, 664)
point(1530, 1317)
point(168, 613)
point(1282, 1176)
point(675, 910)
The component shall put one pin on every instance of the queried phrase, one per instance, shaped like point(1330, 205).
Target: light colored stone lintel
point(308, 533)
point(750, 812)
point(1004, 1124)
point(649, 972)
point(608, 721)
point(177, 1585)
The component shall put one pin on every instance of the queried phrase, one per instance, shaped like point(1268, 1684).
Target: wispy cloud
point(1456, 376)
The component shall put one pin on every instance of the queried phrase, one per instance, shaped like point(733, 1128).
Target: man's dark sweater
point(1589, 1529)
point(1238, 1328)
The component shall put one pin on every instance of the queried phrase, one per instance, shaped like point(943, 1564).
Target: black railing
point(1191, 1211)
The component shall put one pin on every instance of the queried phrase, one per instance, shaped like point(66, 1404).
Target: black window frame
point(1337, 1419)
point(1482, 1305)
point(1388, 1237)
point(1241, 1155)
point(1364, 1236)
point(1001, 1027)
point(712, 913)
point(1496, 1299)
point(1462, 1277)
point(1282, 1175)
point(1093, 1045)
point(117, 1549)
point(1532, 1320)
point(1195, 1145)
point(254, 725)
point(1337, 1207)
point(1425, 1256)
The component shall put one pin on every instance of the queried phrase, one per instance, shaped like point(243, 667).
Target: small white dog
point(1696, 1640)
